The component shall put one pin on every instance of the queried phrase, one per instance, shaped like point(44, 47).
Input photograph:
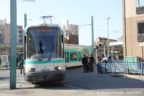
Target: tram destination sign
point(40, 30)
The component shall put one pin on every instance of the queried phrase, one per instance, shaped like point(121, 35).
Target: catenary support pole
point(13, 30)
point(92, 28)
point(25, 20)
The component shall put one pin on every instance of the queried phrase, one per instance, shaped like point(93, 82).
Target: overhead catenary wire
point(39, 8)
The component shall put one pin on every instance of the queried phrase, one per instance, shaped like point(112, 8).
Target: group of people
point(102, 60)
point(88, 62)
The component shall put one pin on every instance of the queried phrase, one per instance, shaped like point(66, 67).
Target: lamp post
point(108, 18)
point(92, 28)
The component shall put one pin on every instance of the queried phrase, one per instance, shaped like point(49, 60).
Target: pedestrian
point(99, 67)
point(84, 62)
point(91, 63)
point(105, 60)
point(21, 65)
point(17, 60)
point(88, 64)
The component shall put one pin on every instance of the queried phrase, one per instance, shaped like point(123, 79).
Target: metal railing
point(122, 67)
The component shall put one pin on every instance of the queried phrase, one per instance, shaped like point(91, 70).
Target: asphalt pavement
point(77, 83)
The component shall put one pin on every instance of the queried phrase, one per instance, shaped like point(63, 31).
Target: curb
point(4, 68)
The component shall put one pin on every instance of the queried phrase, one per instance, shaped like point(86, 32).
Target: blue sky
point(76, 11)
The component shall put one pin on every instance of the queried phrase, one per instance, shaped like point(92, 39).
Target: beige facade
point(132, 46)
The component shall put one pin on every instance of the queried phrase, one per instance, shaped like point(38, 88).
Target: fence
point(122, 67)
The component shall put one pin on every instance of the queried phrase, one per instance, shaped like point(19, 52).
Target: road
point(76, 83)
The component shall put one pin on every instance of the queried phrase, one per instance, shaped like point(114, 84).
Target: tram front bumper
point(45, 76)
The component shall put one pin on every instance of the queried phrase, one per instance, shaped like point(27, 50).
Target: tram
point(74, 54)
point(44, 53)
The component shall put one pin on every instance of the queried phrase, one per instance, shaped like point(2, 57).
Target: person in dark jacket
point(99, 65)
point(21, 65)
point(84, 62)
point(91, 63)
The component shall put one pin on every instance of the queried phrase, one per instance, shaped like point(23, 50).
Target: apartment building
point(5, 33)
point(2, 22)
point(133, 28)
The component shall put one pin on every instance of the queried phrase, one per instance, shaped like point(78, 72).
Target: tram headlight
point(58, 68)
point(31, 69)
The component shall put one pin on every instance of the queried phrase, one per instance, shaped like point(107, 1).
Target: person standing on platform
point(84, 62)
point(91, 63)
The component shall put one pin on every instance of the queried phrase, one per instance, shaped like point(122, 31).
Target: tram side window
point(31, 44)
point(80, 56)
point(59, 49)
point(73, 56)
point(62, 46)
point(24, 47)
point(66, 57)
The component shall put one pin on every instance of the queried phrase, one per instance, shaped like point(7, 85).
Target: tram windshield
point(43, 43)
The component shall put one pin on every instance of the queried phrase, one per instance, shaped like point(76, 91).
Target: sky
point(78, 12)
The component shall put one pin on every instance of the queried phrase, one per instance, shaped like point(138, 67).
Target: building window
point(139, 6)
point(140, 31)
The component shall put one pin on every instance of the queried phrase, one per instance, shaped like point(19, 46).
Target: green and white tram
point(44, 53)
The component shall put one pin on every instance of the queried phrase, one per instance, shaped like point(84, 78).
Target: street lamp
point(108, 18)
point(92, 28)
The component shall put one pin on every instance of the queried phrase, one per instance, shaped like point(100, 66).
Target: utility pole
point(25, 20)
point(13, 41)
point(92, 28)
point(108, 18)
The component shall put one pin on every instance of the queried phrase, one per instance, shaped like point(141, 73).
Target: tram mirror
point(62, 38)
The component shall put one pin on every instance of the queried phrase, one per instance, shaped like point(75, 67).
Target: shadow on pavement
point(76, 79)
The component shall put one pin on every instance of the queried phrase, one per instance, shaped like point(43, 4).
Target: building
point(133, 28)
point(101, 43)
point(5, 41)
point(73, 39)
point(2, 23)
point(5, 33)
point(71, 32)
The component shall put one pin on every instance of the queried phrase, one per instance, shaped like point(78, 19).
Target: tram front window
point(43, 44)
